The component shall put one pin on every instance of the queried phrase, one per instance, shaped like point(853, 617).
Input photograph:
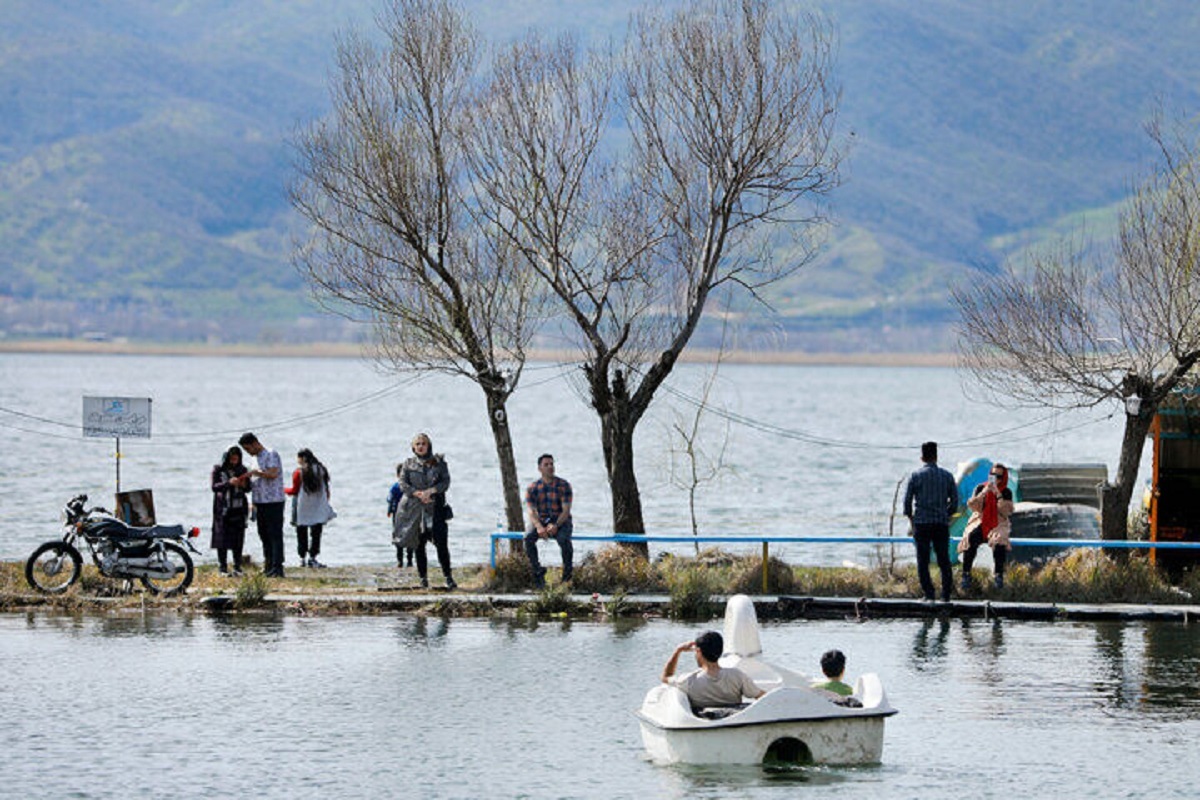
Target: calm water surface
point(164, 705)
point(359, 422)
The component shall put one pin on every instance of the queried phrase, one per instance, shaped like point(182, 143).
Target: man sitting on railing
point(710, 685)
point(548, 501)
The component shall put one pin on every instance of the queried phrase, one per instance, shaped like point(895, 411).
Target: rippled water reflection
point(131, 705)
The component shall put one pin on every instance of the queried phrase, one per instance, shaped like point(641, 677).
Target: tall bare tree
point(730, 108)
point(386, 188)
point(1085, 328)
point(696, 455)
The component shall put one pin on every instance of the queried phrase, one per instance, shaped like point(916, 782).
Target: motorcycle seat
point(119, 530)
point(158, 532)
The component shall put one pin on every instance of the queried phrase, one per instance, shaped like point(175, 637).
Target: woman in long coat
point(230, 480)
point(421, 516)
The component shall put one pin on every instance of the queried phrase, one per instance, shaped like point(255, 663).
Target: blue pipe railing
point(766, 541)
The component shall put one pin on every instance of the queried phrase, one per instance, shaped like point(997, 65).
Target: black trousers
point(270, 530)
point(440, 536)
point(936, 535)
point(974, 539)
point(308, 540)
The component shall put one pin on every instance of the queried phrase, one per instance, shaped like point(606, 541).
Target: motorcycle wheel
point(174, 556)
point(53, 567)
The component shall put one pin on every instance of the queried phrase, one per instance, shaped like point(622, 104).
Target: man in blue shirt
point(929, 502)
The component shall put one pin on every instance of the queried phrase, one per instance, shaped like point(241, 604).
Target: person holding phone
point(991, 506)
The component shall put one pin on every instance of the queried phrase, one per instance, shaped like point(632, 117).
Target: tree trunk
point(622, 479)
point(1115, 496)
point(498, 418)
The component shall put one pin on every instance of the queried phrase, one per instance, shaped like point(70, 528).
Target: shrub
point(1090, 576)
point(618, 605)
point(616, 568)
point(554, 599)
point(748, 577)
point(691, 589)
point(251, 591)
point(846, 582)
point(1189, 583)
point(511, 573)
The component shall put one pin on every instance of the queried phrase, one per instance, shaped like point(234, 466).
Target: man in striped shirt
point(548, 500)
point(929, 501)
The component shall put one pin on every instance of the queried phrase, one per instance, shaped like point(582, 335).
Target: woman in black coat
point(230, 480)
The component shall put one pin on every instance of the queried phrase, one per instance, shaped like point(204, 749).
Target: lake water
point(813, 451)
point(190, 706)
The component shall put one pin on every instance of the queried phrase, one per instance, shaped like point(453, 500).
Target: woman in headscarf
point(421, 515)
point(230, 480)
point(991, 506)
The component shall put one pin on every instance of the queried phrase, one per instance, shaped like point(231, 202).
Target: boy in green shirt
point(833, 664)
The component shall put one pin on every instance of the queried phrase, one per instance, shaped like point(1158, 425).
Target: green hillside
point(144, 156)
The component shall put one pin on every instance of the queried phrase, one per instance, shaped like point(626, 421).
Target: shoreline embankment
point(373, 590)
point(359, 350)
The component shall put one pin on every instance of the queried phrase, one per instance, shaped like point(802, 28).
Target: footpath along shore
point(379, 590)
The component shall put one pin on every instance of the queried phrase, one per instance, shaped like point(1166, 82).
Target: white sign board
point(116, 416)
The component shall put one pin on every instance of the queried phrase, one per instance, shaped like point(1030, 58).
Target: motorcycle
point(153, 555)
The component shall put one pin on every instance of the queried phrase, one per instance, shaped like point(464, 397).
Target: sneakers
point(312, 562)
point(424, 583)
point(450, 584)
point(999, 580)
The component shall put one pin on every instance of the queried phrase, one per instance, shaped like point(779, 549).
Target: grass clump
point(691, 588)
point(511, 573)
point(1090, 576)
point(251, 592)
point(747, 577)
point(617, 568)
point(618, 605)
point(554, 600)
point(850, 582)
point(1189, 583)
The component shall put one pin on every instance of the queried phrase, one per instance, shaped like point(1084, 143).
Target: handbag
point(447, 511)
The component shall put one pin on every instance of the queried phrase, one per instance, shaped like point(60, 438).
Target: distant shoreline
point(348, 350)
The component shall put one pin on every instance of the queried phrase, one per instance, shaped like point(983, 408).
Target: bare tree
point(1081, 329)
point(730, 112)
point(697, 457)
point(388, 193)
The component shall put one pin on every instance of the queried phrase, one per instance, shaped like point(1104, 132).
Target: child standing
point(402, 553)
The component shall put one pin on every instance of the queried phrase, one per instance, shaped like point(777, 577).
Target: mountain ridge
point(144, 157)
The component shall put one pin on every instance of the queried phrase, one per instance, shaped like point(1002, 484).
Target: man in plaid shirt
point(548, 500)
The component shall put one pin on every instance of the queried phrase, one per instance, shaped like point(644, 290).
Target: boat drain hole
point(788, 750)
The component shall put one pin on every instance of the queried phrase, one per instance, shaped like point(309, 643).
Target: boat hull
point(857, 740)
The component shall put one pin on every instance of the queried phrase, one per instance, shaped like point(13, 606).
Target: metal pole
point(118, 465)
point(766, 555)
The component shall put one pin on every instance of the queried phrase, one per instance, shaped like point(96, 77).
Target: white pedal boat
point(791, 723)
